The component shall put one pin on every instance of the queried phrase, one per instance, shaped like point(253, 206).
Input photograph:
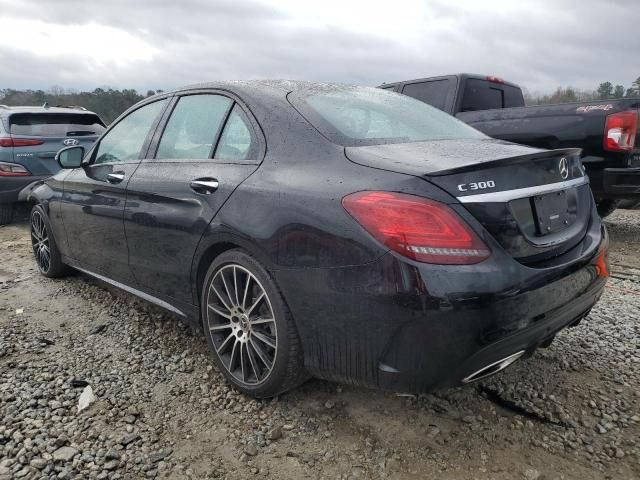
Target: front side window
point(235, 142)
point(125, 140)
point(353, 116)
point(193, 127)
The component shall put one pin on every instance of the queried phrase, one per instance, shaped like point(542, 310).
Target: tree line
point(109, 103)
point(106, 102)
point(605, 91)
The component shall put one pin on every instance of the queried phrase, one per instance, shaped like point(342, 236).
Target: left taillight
point(13, 170)
point(416, 227)
point(620, 131)
point(20, 142)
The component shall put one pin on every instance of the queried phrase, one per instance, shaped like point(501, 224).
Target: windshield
point(353, 116)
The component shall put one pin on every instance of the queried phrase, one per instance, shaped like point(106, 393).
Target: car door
point(93, 201)
point(208, 145)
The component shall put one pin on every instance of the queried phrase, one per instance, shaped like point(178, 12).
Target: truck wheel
point(6, 213)
point(606, 207)
point(629, 204)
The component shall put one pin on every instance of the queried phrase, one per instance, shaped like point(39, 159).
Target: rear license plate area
point(551, 212)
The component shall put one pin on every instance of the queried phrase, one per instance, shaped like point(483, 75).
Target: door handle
point(204, 185)
point(115, 177)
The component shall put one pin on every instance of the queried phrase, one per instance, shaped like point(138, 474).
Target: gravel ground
point(163, 410)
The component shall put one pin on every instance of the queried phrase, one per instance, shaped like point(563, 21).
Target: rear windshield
point(485, 95)
point(55, 124)
point(353, 116)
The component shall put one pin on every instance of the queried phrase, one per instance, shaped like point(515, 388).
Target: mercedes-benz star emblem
point(70, 142)
point(563, 168)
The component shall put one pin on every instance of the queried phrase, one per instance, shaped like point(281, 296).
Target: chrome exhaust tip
point(493, 368)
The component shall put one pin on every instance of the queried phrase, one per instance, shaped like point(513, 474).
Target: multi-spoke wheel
point(40, 242)
point(45, 250)
point(242, 324)
point(249, 327)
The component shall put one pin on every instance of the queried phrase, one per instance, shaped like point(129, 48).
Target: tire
point(629, 204)
point(6, 213)
point(238, 298)
point(45, 250)
point(606, 207)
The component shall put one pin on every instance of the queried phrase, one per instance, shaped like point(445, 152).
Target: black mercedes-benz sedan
point(344, 232)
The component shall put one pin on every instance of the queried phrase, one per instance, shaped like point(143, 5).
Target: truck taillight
point(19, 142)
point(416, 227)
point(620, 131)
point(13, 170)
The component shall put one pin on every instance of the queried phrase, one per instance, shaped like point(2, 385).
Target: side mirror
point(70, 157)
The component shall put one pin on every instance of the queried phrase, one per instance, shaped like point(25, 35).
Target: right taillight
point(620, 131)
point(416, 227)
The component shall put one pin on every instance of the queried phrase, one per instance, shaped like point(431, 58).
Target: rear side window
point(193, 127)
point(235, 142)
point(485, 95)
point(434, 93)
point(55, 124)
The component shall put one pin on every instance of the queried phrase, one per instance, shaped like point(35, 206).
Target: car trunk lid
point(535, 203)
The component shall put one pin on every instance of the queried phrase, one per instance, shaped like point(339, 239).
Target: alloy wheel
point(40, 242)
point(242, 324)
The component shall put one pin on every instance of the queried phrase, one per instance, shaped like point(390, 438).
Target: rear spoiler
point(560, 152)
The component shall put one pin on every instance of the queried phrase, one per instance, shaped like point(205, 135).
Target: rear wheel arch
point(208, 254)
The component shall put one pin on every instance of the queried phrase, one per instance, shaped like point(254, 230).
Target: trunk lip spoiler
point(508, 195)
point(537, 154)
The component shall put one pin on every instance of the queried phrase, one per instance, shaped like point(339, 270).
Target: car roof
point(258, 88)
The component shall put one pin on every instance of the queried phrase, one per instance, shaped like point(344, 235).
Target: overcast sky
point(151, 44)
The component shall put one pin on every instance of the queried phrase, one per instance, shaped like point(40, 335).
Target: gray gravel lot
point(163, 411)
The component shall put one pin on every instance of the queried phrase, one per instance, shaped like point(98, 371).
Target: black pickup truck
point(605, 130)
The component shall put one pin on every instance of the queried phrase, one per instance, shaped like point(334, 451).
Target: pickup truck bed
point(606, 130)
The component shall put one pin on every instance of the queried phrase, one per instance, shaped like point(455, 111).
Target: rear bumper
point(622, 183)
point(11, 188)
point(403, 326)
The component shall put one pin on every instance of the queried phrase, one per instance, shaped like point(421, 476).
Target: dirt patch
point(570, 411)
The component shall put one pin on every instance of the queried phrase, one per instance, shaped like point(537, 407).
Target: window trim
point(90, 157)
point(152, 151)
point(255, 130)
point(223, 127)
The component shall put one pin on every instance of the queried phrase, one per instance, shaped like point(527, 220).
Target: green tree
point(605, 90)
point(104, 101)
point(618, 91)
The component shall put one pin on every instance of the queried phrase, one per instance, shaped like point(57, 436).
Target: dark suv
point(29, 140)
